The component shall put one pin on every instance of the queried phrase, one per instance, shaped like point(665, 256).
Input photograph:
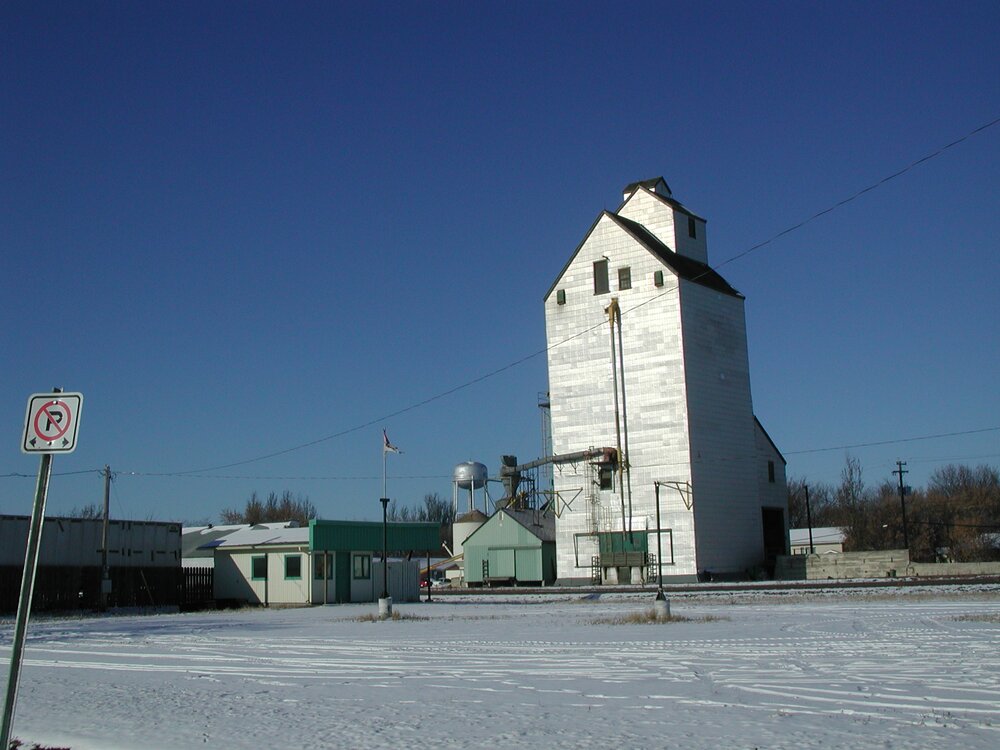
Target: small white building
point(825, 539)
point(328, 562)
point(268, 566)
point(647, 352)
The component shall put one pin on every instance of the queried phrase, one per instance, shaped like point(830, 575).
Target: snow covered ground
point(898, 669)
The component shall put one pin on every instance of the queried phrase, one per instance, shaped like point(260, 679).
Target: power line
point(873, 186)
point(926, 460)
point(893, 442)
point(20, 475)
point(716, 459)
point(280, 478)
point(958, 525)
point(522, 360)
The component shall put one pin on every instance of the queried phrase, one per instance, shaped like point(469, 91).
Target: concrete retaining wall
point(954, 569)
point(876, 564)
point(881, 564)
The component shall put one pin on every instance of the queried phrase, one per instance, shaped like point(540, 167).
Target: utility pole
point(902, 500)
point(105, 573)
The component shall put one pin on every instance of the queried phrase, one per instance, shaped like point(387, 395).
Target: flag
point(388, 447)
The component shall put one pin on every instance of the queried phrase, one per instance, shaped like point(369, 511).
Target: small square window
point(362, 567)
point(601, 285)
point(293, 566)
point(657, 278)
point(258, 568)
point(692, 228)
point(561, 297)
point(625, 278)
point(770, 472)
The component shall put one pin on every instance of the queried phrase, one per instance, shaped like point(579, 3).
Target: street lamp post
point(809, 523)
point(659, 547)
point(428, 575)
point(385, 603)
point(661, 606)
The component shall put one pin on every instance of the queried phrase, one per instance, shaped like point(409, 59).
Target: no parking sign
point(51, 422)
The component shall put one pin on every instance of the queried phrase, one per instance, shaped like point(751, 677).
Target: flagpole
point(385, 601)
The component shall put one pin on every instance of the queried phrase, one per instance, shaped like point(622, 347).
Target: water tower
point(470, 476)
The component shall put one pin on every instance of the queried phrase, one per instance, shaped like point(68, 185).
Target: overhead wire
point(493, 373)
point(943, 459)
point(859, 193)
point(283, 477)
point(22, 475)
point(892, 442)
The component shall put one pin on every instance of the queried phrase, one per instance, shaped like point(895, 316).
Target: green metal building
point(512, 547)
point(342, 554)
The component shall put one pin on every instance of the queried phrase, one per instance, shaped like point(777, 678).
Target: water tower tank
point(470, 475)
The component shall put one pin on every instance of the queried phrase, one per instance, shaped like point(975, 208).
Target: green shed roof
point(332, 536)
point(529, 527)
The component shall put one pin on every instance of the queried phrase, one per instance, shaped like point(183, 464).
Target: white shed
point(279, 566)
point(266, 566)
point(825, 539)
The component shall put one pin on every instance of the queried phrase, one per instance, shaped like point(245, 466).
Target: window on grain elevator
point(601, 285)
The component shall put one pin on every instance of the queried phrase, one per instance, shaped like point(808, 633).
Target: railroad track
point(721, 588)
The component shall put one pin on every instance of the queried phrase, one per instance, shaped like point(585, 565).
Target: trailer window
point(293, 566)
point(363, 566)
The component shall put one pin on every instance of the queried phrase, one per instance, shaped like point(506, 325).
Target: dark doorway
point(775, 536)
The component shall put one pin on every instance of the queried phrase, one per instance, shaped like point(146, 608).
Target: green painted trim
point(299, 576)
point(348, 536)
point(255, 577)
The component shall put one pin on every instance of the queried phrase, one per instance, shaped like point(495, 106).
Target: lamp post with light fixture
point(661, 605)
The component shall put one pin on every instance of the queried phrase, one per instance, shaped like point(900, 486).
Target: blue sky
point(242, 228)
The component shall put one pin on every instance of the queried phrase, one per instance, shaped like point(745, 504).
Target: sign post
point(50, 426)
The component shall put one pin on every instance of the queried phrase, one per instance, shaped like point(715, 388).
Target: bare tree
point(434, 509)
point(964, 506)
point(957, 518)
point(87, 511)
point(284, 508)
point(821, 506)
point(852, 500)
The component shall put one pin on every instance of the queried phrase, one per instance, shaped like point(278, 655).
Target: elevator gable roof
point(686, 268)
